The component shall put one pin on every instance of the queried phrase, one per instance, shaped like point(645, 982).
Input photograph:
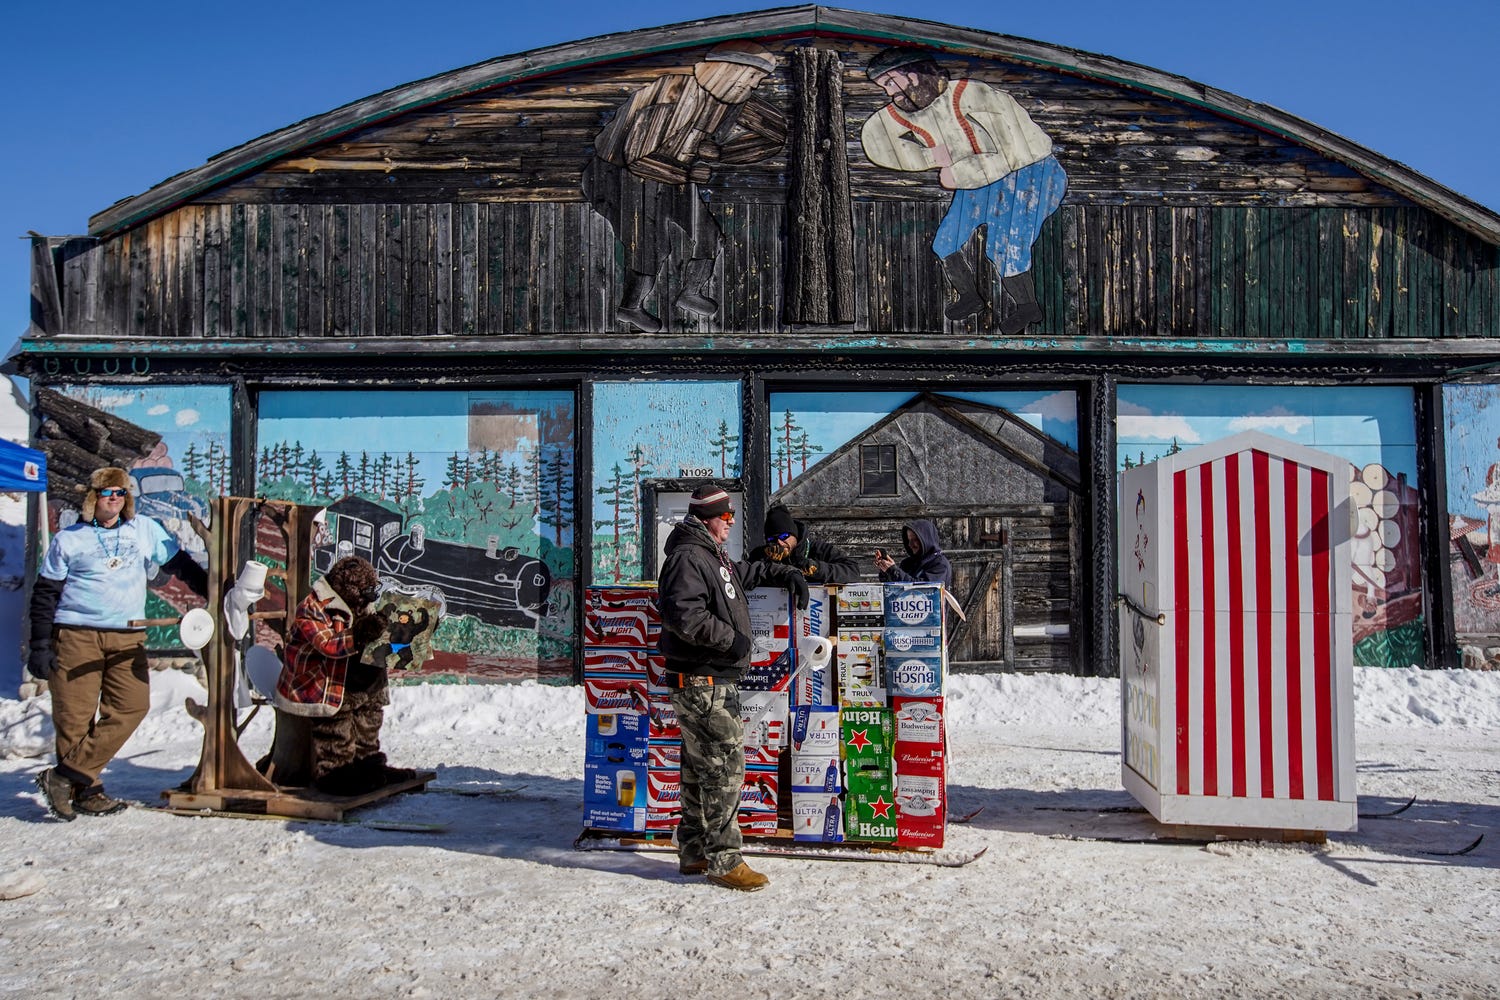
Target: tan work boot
point(692, 867)
point(741, 877)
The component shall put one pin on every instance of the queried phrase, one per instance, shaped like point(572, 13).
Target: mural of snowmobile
point(500, 586)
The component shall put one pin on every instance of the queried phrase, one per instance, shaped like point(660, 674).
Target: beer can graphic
point(608, 725)
point(625, 786)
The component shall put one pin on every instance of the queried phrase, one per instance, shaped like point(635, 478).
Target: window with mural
point(1373, 428)
point(464, 499)
point(174, 442)
point(1471, 415)
point(646, 431)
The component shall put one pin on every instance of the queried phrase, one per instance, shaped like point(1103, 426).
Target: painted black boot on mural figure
point(966, 283)
point(694, 297)
point(632, 308)
point(1020, 298)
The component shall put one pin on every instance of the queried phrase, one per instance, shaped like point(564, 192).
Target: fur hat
point(779, 522)
point(352, 578)
point(708, 502)
point(108, 477)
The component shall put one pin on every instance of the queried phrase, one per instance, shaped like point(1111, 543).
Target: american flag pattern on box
point(1243, 697)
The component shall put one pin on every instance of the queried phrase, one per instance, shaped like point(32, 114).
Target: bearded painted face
point(912, 89)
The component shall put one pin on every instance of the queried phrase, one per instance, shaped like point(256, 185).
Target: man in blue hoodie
point(924, 563)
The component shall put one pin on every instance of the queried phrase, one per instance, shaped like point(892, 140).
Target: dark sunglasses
point(113, 492)
point(728, 515)
point(778, 538)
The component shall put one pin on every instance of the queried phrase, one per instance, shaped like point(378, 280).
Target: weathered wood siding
point(437, 270)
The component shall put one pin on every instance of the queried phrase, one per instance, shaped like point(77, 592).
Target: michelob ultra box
point(763, 714)
point(861, 680)
point(914, 605)
point(817, 816)
point(859, 601)
point(909, 675)
point(815, 731)
point(870, 806)
point(865, 735)
point(919, 721)
point(819, 774)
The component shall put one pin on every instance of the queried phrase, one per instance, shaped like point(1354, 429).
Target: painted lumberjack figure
point(649, 160)
point(997, 162)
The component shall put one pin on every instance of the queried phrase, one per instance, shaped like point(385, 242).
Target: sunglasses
point(728, 515)
point(113, 492)
point(778, 538)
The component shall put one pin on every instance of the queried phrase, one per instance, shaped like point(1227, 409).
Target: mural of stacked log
point(1472, 438)
point(140, 430)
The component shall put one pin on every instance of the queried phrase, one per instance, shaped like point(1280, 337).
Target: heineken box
point(914, 605)
point(870, 805)
point(865, 734)
point(817, 816)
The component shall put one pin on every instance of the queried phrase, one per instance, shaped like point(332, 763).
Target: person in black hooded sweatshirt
point(924, 563)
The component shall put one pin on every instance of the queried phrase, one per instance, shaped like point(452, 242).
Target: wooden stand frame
point(225, 781)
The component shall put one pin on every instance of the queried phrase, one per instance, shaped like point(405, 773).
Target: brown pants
point(351, 734)
point(100, 693)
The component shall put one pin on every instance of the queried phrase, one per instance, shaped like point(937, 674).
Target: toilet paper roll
point(815, 651)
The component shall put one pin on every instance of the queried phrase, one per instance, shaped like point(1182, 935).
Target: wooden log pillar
point(820, 223)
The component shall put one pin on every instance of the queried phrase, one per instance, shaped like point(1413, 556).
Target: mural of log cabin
point(719, 212)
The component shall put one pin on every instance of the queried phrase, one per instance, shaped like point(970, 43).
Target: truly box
point(817, 816)
point(763, 715)
point(815, 731)
point(870, 808)
point(859, 600)
point(914, 605)
point(860, 679)
point(908, 675)
point(919, 720)
point(865, 735)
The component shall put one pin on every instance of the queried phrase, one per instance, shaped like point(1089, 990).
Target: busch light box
point(817, 817)
point(914, 605)
point(870, 806)
point(866, 738)
point(908, 675)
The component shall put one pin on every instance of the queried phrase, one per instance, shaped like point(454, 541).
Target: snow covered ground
point(151, 904)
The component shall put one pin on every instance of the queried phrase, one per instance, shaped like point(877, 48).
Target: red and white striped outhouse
point(1236, 645)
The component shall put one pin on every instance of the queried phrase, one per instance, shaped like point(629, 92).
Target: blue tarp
point(22, 469)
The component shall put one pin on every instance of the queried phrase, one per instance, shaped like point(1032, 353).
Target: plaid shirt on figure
point(317, 655)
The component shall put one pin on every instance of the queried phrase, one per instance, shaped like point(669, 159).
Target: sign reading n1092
point(686, 473)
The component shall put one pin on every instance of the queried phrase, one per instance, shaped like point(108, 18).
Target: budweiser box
point(914, 605)
point(617, 661)
point(859, 601)
point(869, 803)
point(815, 731)
point(921, 810)
point(865, 734)
point(763, 714)
point(860, 678)
point(922, 760)
point(909, 675)
point(761, 792)
point(919, 721)
point(771, 630)
point(817, 816)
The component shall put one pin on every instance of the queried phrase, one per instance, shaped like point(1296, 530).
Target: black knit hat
point(779, 522)
point(708, 502)
point(895, 58)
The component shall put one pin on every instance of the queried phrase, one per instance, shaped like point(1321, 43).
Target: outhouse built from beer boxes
point(1236, 638)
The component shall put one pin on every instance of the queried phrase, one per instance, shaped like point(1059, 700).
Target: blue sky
point(110, 99)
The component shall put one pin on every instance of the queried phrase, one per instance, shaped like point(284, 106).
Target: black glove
point(43, 662)
point(367, 628)
point(740, 648)
point(796, 585)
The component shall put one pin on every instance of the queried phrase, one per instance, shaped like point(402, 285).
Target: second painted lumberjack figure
point(997, 162)
point(652, 156)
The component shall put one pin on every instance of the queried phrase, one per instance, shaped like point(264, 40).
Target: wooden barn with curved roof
point(524, 303)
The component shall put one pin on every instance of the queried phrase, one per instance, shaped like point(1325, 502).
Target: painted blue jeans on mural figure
point(713, 773)
point(1013, 208)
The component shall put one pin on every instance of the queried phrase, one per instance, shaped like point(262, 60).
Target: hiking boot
point(96, 802)
point(57, 793)
point(692, 867)
point(741, 877)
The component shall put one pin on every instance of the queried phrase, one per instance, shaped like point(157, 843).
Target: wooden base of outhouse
point(290, 803)
point(1244, 819)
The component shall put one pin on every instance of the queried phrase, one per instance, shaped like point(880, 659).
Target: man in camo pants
point(706, 644)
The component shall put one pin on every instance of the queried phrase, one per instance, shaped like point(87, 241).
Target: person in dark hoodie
point(706, 643)
point(789, 543)
point(924, 563)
